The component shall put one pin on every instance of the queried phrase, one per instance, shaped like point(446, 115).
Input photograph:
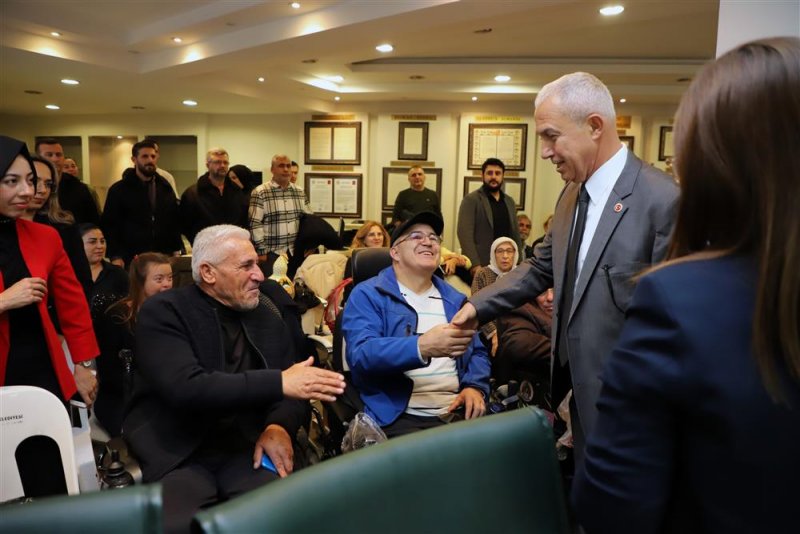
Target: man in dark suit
point(217, 386)
point(622, 228)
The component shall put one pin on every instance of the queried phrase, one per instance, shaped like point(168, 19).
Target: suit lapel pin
point(618, 207)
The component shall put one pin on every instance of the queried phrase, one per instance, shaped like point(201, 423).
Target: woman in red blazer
point(32, 264)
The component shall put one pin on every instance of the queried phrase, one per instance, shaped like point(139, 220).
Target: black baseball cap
point(434, 220)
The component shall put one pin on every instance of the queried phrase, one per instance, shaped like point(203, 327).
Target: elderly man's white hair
point(210, 245)
point(580, 94)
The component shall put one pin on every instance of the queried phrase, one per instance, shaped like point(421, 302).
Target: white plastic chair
point(27, 411)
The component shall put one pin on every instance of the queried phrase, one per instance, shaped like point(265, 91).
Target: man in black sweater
point(415, 199)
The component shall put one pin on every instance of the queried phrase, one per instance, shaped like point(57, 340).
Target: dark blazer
point(476, 226)
point(687, 438)
point(76, 197)
point(132, 227)
point(628, 239)
point(181, 389)
point(202, 206)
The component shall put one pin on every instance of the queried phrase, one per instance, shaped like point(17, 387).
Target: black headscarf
point(10, 148)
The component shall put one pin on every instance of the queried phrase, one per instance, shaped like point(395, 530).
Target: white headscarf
point(493, 260)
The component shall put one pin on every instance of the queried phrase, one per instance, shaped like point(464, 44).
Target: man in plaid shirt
point(275, 211)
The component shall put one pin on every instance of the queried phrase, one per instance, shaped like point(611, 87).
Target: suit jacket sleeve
point(166, 358)
point(467, 213)
point(625, 485)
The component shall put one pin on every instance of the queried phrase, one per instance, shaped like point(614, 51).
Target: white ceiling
point(122, 52)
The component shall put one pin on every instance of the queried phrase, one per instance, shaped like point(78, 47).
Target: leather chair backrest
point(368, 262)
point(493, 474)
point(133, 510)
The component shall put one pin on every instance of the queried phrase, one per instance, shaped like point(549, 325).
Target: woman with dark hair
point(109, 281)
point(44, 208)
point(33, 266)
point(150, 273)
point(699, 415)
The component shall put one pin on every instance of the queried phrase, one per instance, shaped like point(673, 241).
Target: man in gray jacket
point(485, 215)
point(613, 219)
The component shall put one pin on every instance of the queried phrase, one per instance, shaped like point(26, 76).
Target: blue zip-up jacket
point(380, 330)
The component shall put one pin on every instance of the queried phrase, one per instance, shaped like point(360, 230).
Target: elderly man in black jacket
point(217, 386)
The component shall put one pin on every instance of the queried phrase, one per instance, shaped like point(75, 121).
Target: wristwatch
point(89, 364)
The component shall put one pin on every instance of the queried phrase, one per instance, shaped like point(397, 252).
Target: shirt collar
point(606, 176)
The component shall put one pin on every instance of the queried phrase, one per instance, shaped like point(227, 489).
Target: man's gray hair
point(216, 151)
point(210, 245)
point(580, 94)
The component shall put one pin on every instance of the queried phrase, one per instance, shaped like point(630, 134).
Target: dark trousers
point(406, 424)
point(206, 479)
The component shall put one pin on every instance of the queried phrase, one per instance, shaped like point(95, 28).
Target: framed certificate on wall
point(412, 140)
point(334, 194)
point(332, 143)
point(506, 142)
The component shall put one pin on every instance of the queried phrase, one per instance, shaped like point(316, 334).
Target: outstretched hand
point(303, 381)
point(466, 318)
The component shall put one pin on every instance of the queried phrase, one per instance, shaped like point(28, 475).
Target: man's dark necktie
point(571, 273)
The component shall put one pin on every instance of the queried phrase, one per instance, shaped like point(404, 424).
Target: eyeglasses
point(504, 251)
point(417, 237)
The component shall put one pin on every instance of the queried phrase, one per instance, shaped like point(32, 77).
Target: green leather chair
point(133, 510)
point(494, 474)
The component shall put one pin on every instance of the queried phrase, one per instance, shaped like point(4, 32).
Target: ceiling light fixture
point(502, 78)
point(55, 34)
point(70, 81)
point(310, 61)
point(191, 103)
point(623, 100)
point(483, 30)
point(261, 79)
point(32, 92)
point(474, 98)
point(384, 48)
point(416, 77)
point(137, 108)
point(52, 106)
point(610, 11)
point(295, 5)
point(119, 137)
point(337, 98)
point(177, 40)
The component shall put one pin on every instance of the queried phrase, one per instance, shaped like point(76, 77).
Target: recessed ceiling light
point(483, 30)
point(55, 34)
point(474, 98)
point(623, 100)
point(385, 48)
point(416, 77)
point(119, 137)
point(177, 40)
point(295, 5)
point(310, 61)
point(52, 106)
point(137, 107)
point(32, 92)
point(336, 78)
point(70, 81)
point(610, 11)
point(261, 79)
point(337, 98)
point(189, 103)
point(684, 79)
point(502, 78)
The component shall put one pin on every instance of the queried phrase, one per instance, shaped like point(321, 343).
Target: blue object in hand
point(267, 464)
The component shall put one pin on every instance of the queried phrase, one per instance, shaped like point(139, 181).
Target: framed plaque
point(334, 194)
point(412, 141)
point(395, 179)
point(506, 142)
point(513, 187)
point(332, 143)
point(666, 149)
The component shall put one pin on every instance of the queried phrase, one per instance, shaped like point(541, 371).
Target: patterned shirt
point(275, 217)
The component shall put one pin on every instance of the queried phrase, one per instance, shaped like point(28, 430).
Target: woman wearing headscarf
point(33, 266)
point(503, 256)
